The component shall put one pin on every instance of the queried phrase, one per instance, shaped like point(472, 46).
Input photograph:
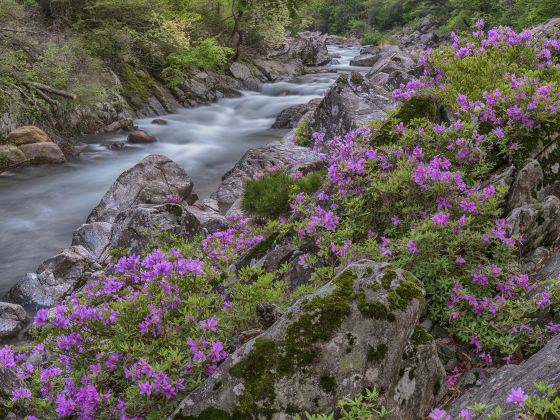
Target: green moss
point(259, 377)
point(303, 133)
point(117, 252)
point(387, 278)
point(137, 86)
point(210, 414)
point(376, 354)
point(423, 105)
point(402, 295)
point(421, 336)
point(322, 316)
point(327, 383)
point(356, 78)
point(375, 310)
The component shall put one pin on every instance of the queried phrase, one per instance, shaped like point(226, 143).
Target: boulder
point(94, 237)
point(13, 319)
point(140, 136)
point(542, 366)
point(275, 70)
point(160, 121)
point(27, 135)
point(257, 160)
point(55, 278)
point(350, 103)
point(117, 145)
point(11, 156)
point(240, 71)
point(290, 117)
point(209, 217)
point(356, 332)
point(134, 229)
point(538, 223)
point(526, 186)
point(205, 87)
point(39, 153)
point(310, 48)
point(148, 182)
point(364, 60)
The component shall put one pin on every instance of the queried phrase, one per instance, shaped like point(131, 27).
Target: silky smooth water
point(41, 206)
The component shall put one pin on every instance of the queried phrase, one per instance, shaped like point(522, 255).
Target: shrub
point(270, 195)
point(303, 133)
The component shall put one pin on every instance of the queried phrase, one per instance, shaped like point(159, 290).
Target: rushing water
point(41, 206)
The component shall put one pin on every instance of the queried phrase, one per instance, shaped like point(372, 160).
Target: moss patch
point(423, 105)
point(420, 336)
point(328, 383)
point(402, 295)
point(375, 310)
point(376, 354)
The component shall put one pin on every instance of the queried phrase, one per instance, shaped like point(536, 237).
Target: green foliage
point(270, 195)
point(303, 133)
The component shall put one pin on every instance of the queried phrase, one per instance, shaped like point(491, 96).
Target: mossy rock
point(423, 105)
point(28, 134)
point(11, 156)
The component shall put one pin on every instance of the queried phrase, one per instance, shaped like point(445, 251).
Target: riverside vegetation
point(411, 190)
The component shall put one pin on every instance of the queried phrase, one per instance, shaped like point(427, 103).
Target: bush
point(270, 195)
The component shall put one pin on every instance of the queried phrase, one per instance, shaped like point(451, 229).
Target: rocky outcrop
point(356, 332)
point(350, 103)
point(392, 67)
point(257, 160)
point(543, 366)
point(526, 186)
point(13, 319)
point(55, 278)
point(420, 37)
point(290, 117)
point(11, 156)
point(310, 48)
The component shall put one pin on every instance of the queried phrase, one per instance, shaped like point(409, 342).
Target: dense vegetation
point(379, 16)
point(408, 190)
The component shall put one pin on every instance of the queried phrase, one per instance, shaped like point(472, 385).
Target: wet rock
point(13, 319)
point(364, 60)
point(27, 135)
point(160, 121)
point(135, 228)
point(526, 186)
point(206, 86)
point(349, 104)
point(11, 156)
point(148, 182)
point(40, 153)
point(55, 278)
point(243, 73)
point(290, 117)
point(117, 145)
point(332, 345)
point(141, 137)
point(256, 161)
point(538, 223)
point(275, 70)
point(542, 366)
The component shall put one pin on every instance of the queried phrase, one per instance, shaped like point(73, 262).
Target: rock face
point(350, 103)
point(526, 185)
point(140, 136)
point(13, 319)
point(354, 333)
point(257, 160)
point(55, 278)
point(542, 366)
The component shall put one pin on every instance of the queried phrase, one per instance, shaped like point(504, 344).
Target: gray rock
point(542, 366)
point(135, 228)
point(350, 103)
point(55, 278)
point(209, 218)
point(318, 353)
point(10, 381)
point(94, 237)
point(256, 161)
point(141, 137)
point(538, 224)
point(117, 145)
point(160, 121)
point(290, 117)
point(39, 153)
point(310, 48)
point(364, 60)
point(526, 186)
point(275, 70)
point(13, 319)
point(148, 182)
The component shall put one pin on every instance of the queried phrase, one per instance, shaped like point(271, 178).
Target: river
point(41, 206)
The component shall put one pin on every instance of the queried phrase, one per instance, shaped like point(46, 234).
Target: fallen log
point(55, 104)
point(54, 91)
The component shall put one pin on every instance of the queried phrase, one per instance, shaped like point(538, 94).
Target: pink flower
point(412, 247)
point(439, 414)
point(517, 396)
point(441, 219)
